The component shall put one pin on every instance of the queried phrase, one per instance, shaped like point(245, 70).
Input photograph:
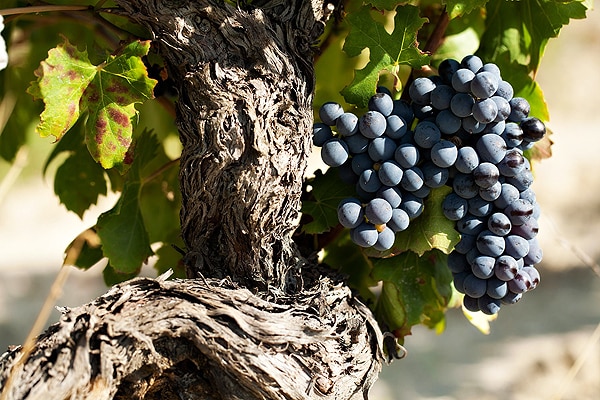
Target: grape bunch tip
point(463, 128)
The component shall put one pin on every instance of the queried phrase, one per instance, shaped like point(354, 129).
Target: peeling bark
point(253, 322)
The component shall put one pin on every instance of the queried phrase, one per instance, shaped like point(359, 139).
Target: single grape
point(381, 102)
point(392, 194)
point(471, 304)
point(412, 179)
point(381, 149)
point(520, 283)
point(503, 107)
point(519, 211)
point(534, 274)
point(454, 207)
point(484, 84)
point(412, 205)
point(441, 96)
point(461, 80)
point(535, 254)
point(378, 211)
point(350, 213)
point(527, 230)
point(466, 243)
point(505, 90)
point(329, 112)
point(426, 134)
point(357, 144)
point(491, 148)
point(364, 235)
point(485, 111)
point(506, 268)
point(369, 181)
point(396, 127)
point(516, 246)
point(361, 162)
point(499, 224)
point(347, 124)
point(321, 134)
point(472, 126)
point(529, 195)
point(519, 109)
point(472, 62)
point(480, 207)
point(447, 122)
point(512, 164)
point(483, 266)
point(491, 193)
point(404, 110)
point(407, 155)
point(533, 129)
point(447, 68)
point(334, 152)
point(390, 173)
point(385, 240)
point(372, 124)
point(420, 90)
point(462, 104)
point(495, 127)
point(474, 287)
point(459, 280)
point(346, 174)
point(486, 175)
point(433, 176)
point(399, 221)
point(492, 68)
point(496, 288)
point(488, 305)
point(444, 153)
point(508, 194)
point(521, 181)
point(466, 160)
point(490, 244)
point(457, 262)
point(464, 185)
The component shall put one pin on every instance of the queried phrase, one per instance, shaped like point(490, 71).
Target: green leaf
point(458, 8)
point(84, 251)
point(113, 276)
point(416, 290)
point(431, 230)
point(70, 84)
point(327, 192)
point(79, 181)
point(386, 51)
point(522, 28)
point(124, 237)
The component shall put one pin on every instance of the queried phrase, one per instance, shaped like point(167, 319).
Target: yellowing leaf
point(69, 84)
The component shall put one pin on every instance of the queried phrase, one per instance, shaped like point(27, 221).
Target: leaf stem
point(39, 9)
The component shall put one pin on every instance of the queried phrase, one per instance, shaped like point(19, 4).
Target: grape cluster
point(463, 128)
point(375, 153)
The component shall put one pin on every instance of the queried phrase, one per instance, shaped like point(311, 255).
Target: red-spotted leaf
point(62, 79)
point(121, 82)
point(69, 84)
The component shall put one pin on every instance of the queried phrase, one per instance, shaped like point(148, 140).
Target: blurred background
point(545, 347)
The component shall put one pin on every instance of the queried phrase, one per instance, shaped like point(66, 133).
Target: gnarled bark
point(245, 82)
